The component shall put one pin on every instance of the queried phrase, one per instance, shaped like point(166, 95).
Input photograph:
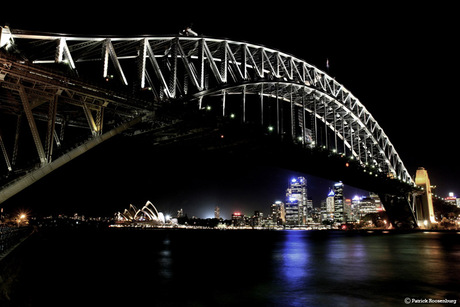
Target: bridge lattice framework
point(320, 111)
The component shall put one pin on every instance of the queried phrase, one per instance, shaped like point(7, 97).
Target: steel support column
point(344, 138)
point(143, 61)
point(5, 155)
point(278, 131)
point(173, 70)
point(325, 126)
point(108, 50)
point(262, 105)
point(281, 115)
point(350, 125)
point(224, 101)
point(201, 60)
point(16, 140)
point(358, 141)
point(292, 109)
point(61, 50)
point(244, 59)
point(224, 62)
point(89, 117)
point(32, 125)
point(304, 122)
point(157, 69)
point(52, 112)
point(244, 104)
point(315, 123)
point(335, 130)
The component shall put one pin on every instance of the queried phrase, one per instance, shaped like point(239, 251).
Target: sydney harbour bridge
point(62, 94)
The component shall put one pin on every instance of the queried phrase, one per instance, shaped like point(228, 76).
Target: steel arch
point(363, 141)
point(192, 68)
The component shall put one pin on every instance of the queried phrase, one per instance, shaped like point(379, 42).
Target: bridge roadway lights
point(23, 182)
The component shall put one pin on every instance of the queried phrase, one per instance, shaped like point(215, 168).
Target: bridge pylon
point(423, 200)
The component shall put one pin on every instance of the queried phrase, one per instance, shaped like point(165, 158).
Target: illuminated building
point(377, 202)
point(452, 199)
point(146, 215)
point(323, 210)
point(339, 214)
point(238, 219)
point(362, 205)
point(278, 213)
point(355, 208)
point(316, 215)
point(292, 213)
point(257, 219)
point(217, 213)
point(310, 211)
point(347, 210)
point(327, 207)
point(365, 205)
point(296, 202)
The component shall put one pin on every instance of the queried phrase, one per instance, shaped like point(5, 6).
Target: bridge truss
point(293, 98)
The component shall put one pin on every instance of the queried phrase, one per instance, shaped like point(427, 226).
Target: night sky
point(400, 62)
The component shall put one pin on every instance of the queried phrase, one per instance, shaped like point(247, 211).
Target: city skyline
point(384, 66)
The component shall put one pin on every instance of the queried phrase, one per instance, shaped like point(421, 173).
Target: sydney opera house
point(146, 216)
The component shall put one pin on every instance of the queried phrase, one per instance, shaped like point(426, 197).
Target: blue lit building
point(296, 206)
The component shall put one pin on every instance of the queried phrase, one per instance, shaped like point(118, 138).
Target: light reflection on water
point(293, 269)
point(165, 260)
point(247, 268)
point(337, 269)
point(295, 257)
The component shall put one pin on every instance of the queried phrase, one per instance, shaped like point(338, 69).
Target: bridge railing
point(12, 236)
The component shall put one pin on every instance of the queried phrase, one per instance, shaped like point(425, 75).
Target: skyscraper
point(217, 213)
point(238, 219)
point(329, 210)
point(278, 213)
point(296, 201)
point(257, 219)
point(339, 216)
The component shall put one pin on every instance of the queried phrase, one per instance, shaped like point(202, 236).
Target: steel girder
point(43, 95)
point(191, 68)
point(15, 186)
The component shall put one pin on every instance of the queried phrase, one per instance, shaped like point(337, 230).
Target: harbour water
point(122, 267)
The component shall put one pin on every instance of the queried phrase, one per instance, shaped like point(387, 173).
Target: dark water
point(232, 268)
